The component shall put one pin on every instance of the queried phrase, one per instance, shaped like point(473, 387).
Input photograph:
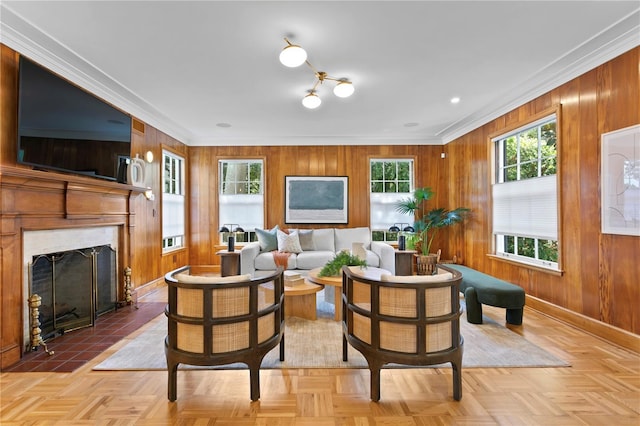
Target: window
point(391, 181)
point(525, 197)
point(241, 197)
point(173, 201)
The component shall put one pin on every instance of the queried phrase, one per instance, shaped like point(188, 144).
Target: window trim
point(249, 235)
point(414, 167)
point(516, 127)
point(183, 237)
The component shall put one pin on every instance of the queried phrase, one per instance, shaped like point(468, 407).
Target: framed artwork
point(316, 199)
point(620, 185)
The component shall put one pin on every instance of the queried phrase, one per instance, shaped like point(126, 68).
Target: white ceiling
point(207, 72)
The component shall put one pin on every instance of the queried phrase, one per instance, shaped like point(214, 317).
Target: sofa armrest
point(248, 256)
point(387, 255)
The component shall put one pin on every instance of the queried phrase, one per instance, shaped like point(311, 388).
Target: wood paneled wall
point(601, 271)
point(281, 161)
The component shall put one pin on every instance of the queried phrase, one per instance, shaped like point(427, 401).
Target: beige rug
point(318, 344)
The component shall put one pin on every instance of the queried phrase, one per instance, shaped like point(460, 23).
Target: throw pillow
point(306, 239)
point(289, 243)
point(267, 239)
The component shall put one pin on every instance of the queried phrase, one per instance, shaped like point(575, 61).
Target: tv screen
point(62, 127)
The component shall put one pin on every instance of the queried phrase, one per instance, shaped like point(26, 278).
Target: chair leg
point(456, 368)
point(172, 383)
point(282, 348)
point(254, 380)
point(345, 349)
point(457, 380)
point(375, 381)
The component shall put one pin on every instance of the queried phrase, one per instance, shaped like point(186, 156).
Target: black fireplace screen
point(76, 287)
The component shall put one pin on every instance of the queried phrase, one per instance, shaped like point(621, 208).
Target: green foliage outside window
point(529, 154)
point(391, 176)
point(532, 152)
point(241, 177)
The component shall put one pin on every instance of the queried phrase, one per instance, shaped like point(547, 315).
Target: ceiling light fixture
point(311, 101)
point(294, 56)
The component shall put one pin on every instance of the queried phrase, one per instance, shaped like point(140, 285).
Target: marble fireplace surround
point(57, 240)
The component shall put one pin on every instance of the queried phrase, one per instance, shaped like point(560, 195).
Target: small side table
point(404, 262)
point(229, 262)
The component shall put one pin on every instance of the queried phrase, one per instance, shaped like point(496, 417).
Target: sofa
point(310, 248)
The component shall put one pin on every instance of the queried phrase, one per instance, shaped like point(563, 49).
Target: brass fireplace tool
point(36, 333)
point(130, 297)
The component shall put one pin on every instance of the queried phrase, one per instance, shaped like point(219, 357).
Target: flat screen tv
point(64, 128)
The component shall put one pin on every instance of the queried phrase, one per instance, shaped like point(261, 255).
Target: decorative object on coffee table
point(292, 278)
point(344, 258)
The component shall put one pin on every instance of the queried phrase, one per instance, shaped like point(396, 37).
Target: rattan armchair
point(408, 320)
point(222, 320)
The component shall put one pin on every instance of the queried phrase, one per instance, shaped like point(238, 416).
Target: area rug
point(318, 344)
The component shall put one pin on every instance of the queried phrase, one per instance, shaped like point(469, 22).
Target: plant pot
point(427, 264)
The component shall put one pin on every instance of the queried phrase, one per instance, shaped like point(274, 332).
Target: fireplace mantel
point(34, 200)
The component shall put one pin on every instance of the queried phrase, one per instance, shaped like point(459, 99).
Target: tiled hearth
point(74, 349)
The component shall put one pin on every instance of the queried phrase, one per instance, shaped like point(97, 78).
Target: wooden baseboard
point(605, 331)
point(149, 287)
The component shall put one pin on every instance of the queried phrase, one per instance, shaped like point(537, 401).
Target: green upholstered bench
point(479, 288)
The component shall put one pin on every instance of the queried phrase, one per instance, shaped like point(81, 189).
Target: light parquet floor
point(602, 387)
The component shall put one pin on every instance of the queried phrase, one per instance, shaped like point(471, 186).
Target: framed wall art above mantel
point(316, 199)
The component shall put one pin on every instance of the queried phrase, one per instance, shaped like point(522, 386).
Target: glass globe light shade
point(311, 101)
point(344, 89)
point(293, 56)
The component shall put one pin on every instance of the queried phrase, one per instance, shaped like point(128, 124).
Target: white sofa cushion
point(345, 237)
point(323, 239)
point(313, 259)
point(264, 261)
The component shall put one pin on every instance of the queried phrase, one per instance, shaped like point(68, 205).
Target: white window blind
point(246, 210)
point(172, 215)
point(526, 208)
point(383, 210)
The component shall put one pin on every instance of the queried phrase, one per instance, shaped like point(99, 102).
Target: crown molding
point(316, 141)
point(619, 38)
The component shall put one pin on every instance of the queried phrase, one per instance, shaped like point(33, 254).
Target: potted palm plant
point(427, 223)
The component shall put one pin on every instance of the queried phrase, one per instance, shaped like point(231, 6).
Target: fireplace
point(75, 287)
point(74, 271)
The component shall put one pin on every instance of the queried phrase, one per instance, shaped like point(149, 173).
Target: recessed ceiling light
point(455, 100)
point(223, 125)
point(410, 124)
